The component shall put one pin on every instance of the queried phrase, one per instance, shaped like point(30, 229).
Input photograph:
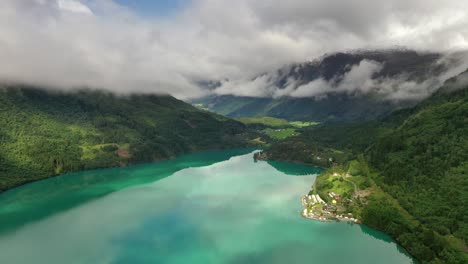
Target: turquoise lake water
point(211, 207)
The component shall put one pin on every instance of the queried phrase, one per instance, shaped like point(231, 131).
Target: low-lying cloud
point(71, 44)
point(359, 79)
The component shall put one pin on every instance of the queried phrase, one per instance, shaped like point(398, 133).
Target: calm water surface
point(212, 207)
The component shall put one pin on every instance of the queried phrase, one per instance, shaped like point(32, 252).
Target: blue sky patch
point(154, 7)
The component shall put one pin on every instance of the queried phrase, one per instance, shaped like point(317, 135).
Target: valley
point(233, 132)
point(361, 183)
point(380, 173)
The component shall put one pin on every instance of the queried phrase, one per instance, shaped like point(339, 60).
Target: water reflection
point(41, 199)
point(297, 169)
point(235, 211)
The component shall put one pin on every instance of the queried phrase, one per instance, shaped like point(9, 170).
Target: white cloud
point(73, 6)
point(312, 89)
point(59, 43)
point(358, 78)
point(259, 87)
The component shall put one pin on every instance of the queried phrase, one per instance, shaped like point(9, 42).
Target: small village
point(326, 209)
point(317, 209)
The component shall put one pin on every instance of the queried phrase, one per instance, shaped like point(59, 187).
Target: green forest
point(417, 156)
point(48, 133)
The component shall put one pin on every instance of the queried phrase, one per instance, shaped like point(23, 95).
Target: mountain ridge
point(338, 87)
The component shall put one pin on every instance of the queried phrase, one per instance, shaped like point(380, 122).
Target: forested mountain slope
point(47, 133)
point(419, 157)
point(424, 163)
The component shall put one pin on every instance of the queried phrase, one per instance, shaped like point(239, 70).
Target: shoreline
point(136, 163)
point(261, 156)
point(325, 215)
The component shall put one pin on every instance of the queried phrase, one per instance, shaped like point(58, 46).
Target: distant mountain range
point(339, 87)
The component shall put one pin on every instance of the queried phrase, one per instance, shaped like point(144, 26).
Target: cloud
point(358, 78)
point(260, 86)
point(362, 78)
point(73, 6)
point(69, 44)
point(460, 82)
point(402, 89)
point(312, 89)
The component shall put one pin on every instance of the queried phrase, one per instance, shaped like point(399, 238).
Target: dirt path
point(356, 189)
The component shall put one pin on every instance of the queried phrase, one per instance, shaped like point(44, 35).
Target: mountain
point(424, 164)
point(47, 133)
point(418, 157)
point(339, 87)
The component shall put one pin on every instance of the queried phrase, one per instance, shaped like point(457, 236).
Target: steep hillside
point(44, 134)
point(424, 163)
point(417, 156)
point(341, 87)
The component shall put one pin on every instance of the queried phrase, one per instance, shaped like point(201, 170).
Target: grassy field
point(275, 122)
point(330, 183)
point(266, 120)
point(280, 133)
point(276, 128)
point(300, 124)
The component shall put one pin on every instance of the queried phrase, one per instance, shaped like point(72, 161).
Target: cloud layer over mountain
point(98, 43)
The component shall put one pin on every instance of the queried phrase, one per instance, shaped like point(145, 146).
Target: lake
point(210, 207)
